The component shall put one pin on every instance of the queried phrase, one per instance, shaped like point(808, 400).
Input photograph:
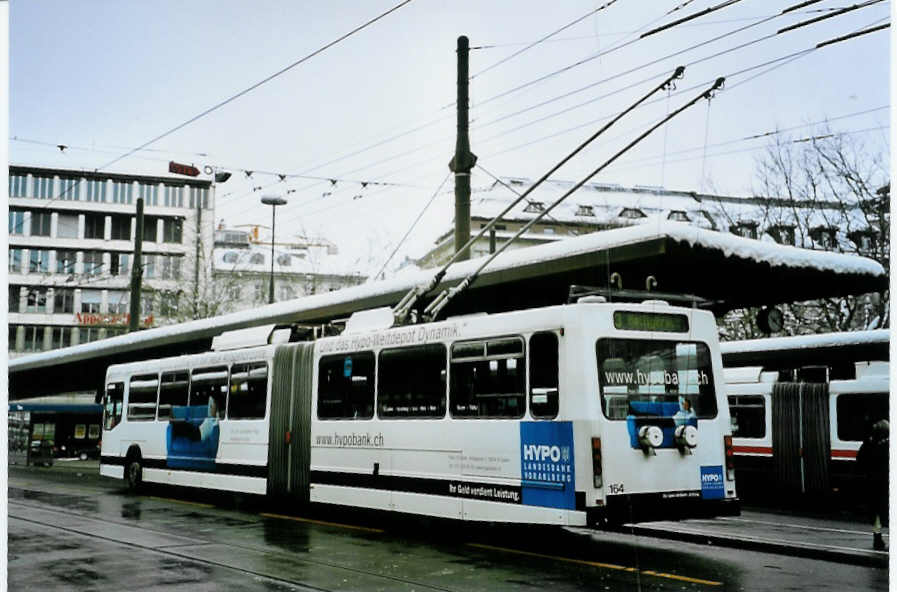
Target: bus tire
point(134, 474)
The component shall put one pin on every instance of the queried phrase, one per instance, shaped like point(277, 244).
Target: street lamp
point(273, 201)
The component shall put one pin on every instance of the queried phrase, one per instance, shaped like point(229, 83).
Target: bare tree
point(827, 192)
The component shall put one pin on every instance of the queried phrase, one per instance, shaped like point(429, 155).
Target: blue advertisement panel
point(712, 484)
point(546, 464)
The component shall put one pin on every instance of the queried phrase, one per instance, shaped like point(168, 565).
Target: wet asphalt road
point(71, 530)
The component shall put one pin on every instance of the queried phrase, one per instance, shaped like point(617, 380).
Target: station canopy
point(728, 271)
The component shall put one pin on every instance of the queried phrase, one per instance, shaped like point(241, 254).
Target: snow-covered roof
point(256, 258)
point(388, 292)
point(824, 340)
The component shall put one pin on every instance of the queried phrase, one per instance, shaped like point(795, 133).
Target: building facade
point(71, 252)
point(858, 228)
point(242, 271)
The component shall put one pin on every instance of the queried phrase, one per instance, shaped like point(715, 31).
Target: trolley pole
point(464, 159)
point(136, 270)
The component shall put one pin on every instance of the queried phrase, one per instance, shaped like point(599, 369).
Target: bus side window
point(208, 388)
point(248, 391)
point(856, 412)
point(488, 379)
point(543, 375)
point(346, 386)
point(411, 382)
point(748, 413)
point(112, 408)
point(172, 392)
point(143, 391)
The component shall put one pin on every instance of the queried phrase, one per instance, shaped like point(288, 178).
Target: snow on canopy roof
point(821, 341)
point(295, 310)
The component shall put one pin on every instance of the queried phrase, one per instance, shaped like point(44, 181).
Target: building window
point(146, 304)
point(63, 300)
point(149, 193)
point(863, 239)
point(173, 196)
point(89, 334)
point(39, 261)
point(168, 304)
point(257, 259)
point(43, 187)
point(14, 304)
point(261, 292)
point(94, 225)
point(284, 260)
point(534, 207)
point(119, 302)
point(62, 337)
point(234, 293)
point(18, 185)
point(15, 260)
point(65, 261)
point(632, 213)
point(67, 226)
point(585, 211)
point(172, 230)
point(149, 229)
point(121, 228)
point(34, 338)
point(70, 189)
point(120, 263)
point(230, 257)
point(678, 216)
point(40, 223)
point(96, 190)
point(36, 300)
point(287, 292)
point(91, 300)
point(122, 192)
point(93, 262)
point(12, 336)
point(823, 236)
point(149, 266)
point(16, 221)
point(744, 229)
point(782, 234)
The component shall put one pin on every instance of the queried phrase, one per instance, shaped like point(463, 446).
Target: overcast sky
point(105, 77)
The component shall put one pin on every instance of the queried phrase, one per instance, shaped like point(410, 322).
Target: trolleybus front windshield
point(655, 378)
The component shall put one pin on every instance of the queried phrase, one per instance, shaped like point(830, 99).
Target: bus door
point(801, 441)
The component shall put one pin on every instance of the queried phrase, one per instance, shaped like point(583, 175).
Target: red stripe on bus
point(844, 453)
point(753, 449)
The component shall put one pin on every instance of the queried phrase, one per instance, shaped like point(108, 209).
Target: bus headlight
point(650, 437)
point(686, 437)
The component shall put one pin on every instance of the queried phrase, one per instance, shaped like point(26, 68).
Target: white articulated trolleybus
point(561, 415)
point(566, 414)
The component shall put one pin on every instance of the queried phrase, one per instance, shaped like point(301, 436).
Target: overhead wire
point(259, 83)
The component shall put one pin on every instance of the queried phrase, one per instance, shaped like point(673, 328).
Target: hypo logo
point(712, 484)
point(542, 453)
point(546, 464)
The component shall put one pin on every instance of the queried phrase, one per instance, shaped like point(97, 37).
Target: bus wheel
point(134, 474)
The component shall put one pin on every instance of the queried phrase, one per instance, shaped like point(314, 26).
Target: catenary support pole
point(136, 270)
point(464, 159)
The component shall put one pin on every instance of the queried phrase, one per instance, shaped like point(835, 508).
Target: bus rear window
point(655, 378)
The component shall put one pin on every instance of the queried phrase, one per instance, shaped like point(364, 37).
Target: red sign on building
point(182, 169)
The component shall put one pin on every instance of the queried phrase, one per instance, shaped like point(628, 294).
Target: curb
point(806, 550)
